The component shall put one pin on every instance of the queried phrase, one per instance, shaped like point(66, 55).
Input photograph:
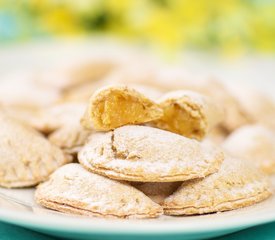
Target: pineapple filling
point(182, 120)
point(118, 110)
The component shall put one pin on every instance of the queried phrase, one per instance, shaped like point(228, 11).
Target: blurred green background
point(227, 27)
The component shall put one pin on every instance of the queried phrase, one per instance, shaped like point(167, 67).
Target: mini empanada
point(255, 143)
point(188, 113)
point(134, 73)
point(234, 116)
point(26, 115)
point(237, 184)
point(20, 89)
point(157, 191)
point(72, 189)
point(81, 93)
point(70, 137)
point(57, 116)
point(173, 79)
point(26, 157)
point(115, 106)
point(255, 106)
point(71, 74)
point(146, 154)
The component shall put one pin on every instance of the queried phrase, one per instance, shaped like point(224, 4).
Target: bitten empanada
point(146, 154)
point(173, 79)
point(188, 113)
point(115, 106)
point(72, 189)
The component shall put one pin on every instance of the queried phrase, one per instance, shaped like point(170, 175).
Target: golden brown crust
point(235, 185)
point(115, 106)
point(146, 154)
point(72, 189)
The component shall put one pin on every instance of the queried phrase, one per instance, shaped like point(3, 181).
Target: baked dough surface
point(72, 189)
point(146, 154)
point(26, 157)
point(237, 184)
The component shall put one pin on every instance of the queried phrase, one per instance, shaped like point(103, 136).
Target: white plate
point(17, 207)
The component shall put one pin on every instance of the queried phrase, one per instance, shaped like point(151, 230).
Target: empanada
point(57, 116)
point(26, 157)
point(173, 79)
point(115, 106)
point(20, 89)
point(70, 137)
point(188, 113)
point(255, 106)
point(81, 93)
point(26, 115)
point(237, 184)
point(146, 154)
point(134, 73)
point(71, 74)
point(72, 189)
point(255, 143)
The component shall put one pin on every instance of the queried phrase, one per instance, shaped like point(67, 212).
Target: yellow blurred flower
point(230, 27)
point(59, 21)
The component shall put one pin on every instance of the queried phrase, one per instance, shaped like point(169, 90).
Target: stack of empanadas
point(144, 146)
point(143, 159)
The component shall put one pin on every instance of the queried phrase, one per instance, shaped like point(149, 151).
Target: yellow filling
point(182, 120)
point(118, 110)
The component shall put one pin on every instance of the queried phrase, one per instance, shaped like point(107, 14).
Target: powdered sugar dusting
point(150, 153)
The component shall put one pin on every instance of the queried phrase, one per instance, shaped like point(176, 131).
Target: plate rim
point(129, 226)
